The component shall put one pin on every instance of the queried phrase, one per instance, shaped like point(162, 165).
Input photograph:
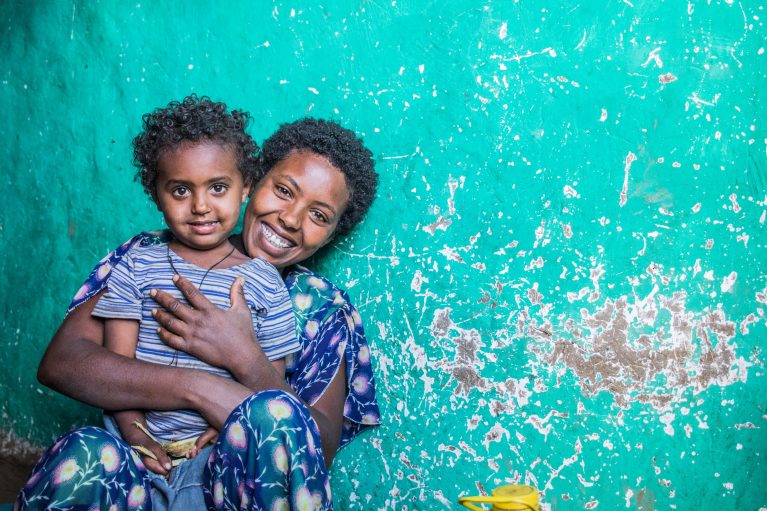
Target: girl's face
point(200, 190)
point(294, 209)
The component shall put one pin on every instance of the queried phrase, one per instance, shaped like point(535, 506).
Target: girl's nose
point(200, 204)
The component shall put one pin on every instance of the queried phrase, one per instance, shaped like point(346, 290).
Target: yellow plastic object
point(517, 497)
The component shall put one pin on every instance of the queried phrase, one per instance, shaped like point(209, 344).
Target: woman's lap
point(88, 468)
point(268, 454)
point(269, 457)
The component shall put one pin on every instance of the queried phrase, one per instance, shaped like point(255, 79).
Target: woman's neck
point(236, 240)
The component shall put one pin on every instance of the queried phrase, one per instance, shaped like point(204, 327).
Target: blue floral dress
point(268, 455)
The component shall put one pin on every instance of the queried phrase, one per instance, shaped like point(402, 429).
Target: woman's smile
point(275, 239)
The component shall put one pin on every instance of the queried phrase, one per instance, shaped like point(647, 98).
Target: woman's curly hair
point(341, 147)
point(193, 120)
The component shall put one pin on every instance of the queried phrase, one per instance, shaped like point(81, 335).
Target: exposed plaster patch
point(648, 349)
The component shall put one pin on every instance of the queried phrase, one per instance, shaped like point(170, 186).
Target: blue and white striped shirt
point(145, 268)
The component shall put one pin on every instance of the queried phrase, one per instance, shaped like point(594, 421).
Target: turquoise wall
point(564, 277)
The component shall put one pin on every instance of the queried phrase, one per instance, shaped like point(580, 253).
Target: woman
point(273, 449)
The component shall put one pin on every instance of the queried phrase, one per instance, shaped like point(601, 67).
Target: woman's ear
point(330, 238)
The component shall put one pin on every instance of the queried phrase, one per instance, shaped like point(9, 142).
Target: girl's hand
point(210, 436)
point(221, 337)
point(162, 464)
point(135, 437)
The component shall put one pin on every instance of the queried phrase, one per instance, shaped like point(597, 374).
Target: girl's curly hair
point(193, 120)
point(341, 147)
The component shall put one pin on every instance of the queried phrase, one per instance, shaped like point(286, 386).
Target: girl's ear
point(154, 199)
point(245, 192)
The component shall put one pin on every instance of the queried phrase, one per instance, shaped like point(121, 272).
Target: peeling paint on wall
point(563, 275)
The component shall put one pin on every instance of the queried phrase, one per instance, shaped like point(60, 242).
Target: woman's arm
point(77, 365)
point(225, 338)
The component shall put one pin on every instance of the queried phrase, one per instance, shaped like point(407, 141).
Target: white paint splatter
point(734, 201)
point(571, 192)
point(630, 158)
point(582, 42)
point(698, 101)
point(729, 281)
point(667, 419)
point(654, 56)
point(418, 280)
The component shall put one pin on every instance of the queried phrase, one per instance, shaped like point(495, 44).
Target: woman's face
point(294, 209)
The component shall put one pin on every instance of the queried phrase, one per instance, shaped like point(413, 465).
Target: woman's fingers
point(196, 299)
point(171, 339)
point(171, 304)
point(237, 292)
point(170, 323)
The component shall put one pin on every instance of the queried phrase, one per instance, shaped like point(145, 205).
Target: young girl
point(196, 162)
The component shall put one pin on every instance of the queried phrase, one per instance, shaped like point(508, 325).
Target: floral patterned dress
point(268, 455)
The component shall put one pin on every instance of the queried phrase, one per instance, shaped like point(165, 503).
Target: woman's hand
point(221, 337)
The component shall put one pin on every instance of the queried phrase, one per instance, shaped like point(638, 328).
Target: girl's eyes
point(180, 191)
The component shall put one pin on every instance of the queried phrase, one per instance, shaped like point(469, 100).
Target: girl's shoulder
point(150, 238)
point(96, 281)
point(259, 274)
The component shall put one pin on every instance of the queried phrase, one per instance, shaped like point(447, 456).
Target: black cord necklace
point(199, 286)
point(174, 361)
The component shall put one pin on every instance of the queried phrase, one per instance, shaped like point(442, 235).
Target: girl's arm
point(77, 364)
point(121, 337)
point(225, 338)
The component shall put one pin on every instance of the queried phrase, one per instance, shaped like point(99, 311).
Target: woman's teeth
point(273, 238)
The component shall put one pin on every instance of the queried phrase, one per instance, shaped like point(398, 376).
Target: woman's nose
point(290, 218)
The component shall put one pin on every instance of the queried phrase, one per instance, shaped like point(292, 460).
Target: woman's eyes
point(319, 216)
point(282, 191)
point(316, 214)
